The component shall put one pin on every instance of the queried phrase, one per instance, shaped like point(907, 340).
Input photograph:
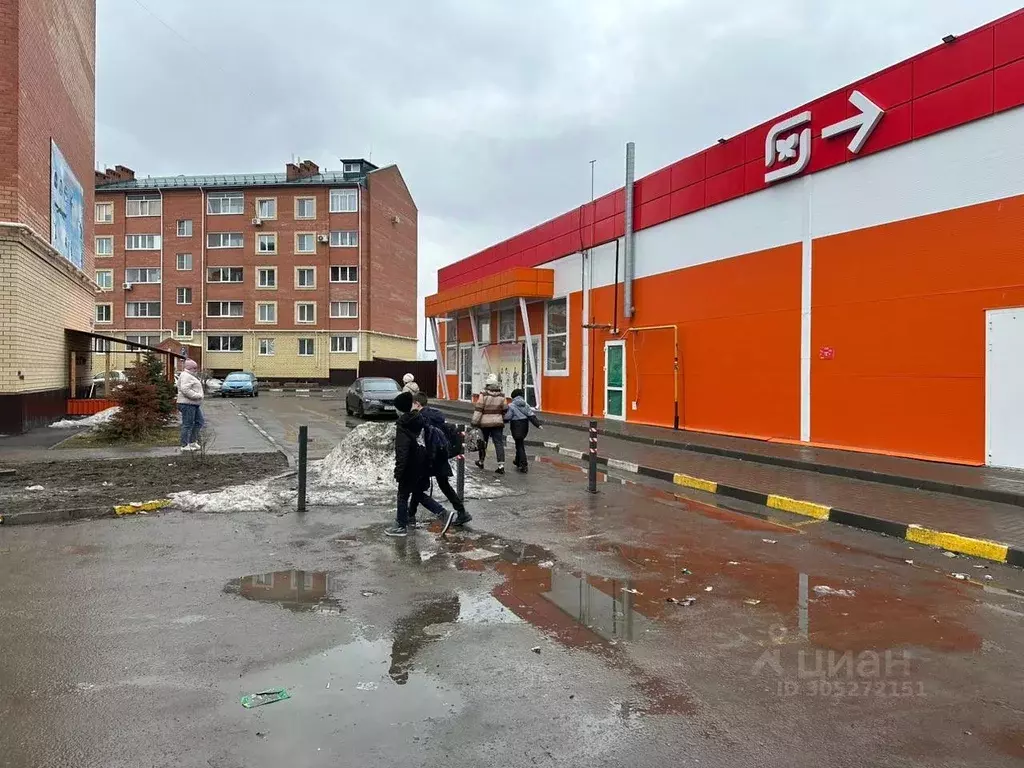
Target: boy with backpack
point(443, 443)
point(520, 415)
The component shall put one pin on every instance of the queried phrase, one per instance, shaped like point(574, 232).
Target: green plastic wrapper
point(264, 697)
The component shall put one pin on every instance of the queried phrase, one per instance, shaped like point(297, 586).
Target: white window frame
point(312, 346)
point(146, 339)
point(311, 236)
point(348, 271)
point(344, 238)
point(260, 237)
point(305, 268)
point(351, 168)
point(344, 196)
point(260, 305)
point(483, 323)
point(143, 245)
point(259, 285)
point(222, 235)
point(144, 205)
point(101, 345)
point(180, 332)
point(105, 239)
point(547, 335)
point(178, 260)
point(186, 225)
point(211, 270)
point(239, 336)
point(143, 271)
point(338, 304)
point(266, 347)
point(349, 337)
point(236, 200)
point(137, 304)
point(505, 313)
point(107, 273)
point(299, 304)
point(178, 295)
point(303, 199)
point(108, 213)
point(222, 303)
point(273, 215)
point(110, 313)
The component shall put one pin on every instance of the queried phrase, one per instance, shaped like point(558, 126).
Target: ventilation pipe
point(629, 265)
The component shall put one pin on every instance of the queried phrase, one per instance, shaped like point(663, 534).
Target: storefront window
point(556, 331)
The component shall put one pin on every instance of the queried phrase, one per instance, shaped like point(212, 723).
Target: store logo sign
point(787, 147)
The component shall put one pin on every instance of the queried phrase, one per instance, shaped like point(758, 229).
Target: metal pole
point(592, 469)
point(303, 431)
point(460, 464)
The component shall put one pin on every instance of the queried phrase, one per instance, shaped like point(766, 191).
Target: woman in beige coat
point(489, 416)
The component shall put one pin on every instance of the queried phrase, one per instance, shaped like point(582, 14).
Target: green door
point(615, 380)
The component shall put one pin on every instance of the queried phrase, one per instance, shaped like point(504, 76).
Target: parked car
point(117, 378)
point(240, 383)
point(213, 386)
point(371, 397)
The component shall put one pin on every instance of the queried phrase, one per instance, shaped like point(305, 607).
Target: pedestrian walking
point(520, 415)
point(443, 443)
point(190, 401)
point(489, 416)
point(409, 384)
point(412, 468)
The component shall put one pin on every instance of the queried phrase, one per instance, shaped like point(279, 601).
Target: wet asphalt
point(557, 630)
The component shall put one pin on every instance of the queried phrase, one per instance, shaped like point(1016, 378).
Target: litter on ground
point(546, 564)
point(959, 576)
point(708, 589)
point(34, 488)
point(769, 541)
point(823, 589)
point(367, 686)
point(632, 591)
point(949, 554)
point(264, 697)
point(141, 507)
point(751, 601)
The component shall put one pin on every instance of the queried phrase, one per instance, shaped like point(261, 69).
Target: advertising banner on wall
point(67, 203)
point(503, 360)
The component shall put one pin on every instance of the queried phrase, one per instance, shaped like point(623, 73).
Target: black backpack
point(456, 445)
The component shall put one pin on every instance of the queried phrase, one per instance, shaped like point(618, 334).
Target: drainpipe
point(630, 266)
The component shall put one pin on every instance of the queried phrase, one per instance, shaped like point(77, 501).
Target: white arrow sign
point(864, 123)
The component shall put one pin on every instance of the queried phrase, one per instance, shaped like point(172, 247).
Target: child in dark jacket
point(412, 466)
point(520, 415)
point(438, 445)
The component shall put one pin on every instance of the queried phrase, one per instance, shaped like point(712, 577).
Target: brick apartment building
point(47, 148)
point(293, 276)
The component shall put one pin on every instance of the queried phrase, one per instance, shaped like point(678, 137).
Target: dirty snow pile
point(365, 458)
point(96, 420)
point(266, 496)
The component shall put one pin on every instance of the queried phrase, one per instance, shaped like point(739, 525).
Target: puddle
point(299, 591)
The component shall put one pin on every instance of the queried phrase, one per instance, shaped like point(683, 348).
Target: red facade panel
point(953, 106)
point(724, 186)
point(687, 200)
point(1009, 86)
point(654, 186)
point(951, 63)
point(688, 171)
point(895, 128)
point(725, 157)
point(1009, 40)
point(887, 89)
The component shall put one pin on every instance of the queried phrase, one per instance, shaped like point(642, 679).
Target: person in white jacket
point(190, 400)
point(410, 385)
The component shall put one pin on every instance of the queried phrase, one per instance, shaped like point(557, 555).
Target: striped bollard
point(592, 468)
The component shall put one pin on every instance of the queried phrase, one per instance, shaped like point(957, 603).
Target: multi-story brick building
point(47, 147)
point(294, 276)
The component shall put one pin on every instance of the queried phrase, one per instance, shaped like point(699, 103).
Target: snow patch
point(96, 420)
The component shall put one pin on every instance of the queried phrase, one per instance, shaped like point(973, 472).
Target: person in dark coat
point(440, 467)
point(412, 468)
point(520, 415)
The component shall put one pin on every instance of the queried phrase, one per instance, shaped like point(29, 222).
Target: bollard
point(460, 464)
point(592, 468)
point(302, 468)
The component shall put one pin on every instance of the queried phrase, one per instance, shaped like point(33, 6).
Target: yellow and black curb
point(953, 542)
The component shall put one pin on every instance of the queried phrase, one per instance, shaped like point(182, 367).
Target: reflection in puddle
point(410, 635)
point(298, 591)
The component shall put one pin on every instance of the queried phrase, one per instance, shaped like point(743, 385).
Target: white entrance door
point(615, 380)
point(465, 373)
point(1004, 388)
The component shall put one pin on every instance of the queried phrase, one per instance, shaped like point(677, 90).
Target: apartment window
point(142, 205)
point(101, 345)
point(267, 347)
point(223, 343)
point(184, 261)
point(184, 295)
point(142, 242)
point(224, 240)
point(223, 309)
point(104, 313)
point(344, 238)
point(556, 332)
point(344, 200)
point(266, 277)
point(305, 242)
point(146, 341)
point(483, 328)
point(266, 242)
point(142, 275)
point(506, 325)
point(305, 312)
point(266, 311)
point(222, 203)
point(183, 328)
point(351, 168)
point(105, 279)
point(224, 275)
point(104, 213)
point(344, 309)
point(343, 343)
point(305, 277)
point(266, 208)
point(104, 246)
point(142, 309)
point(184, 227)
point(344, 274)
point(305, 347)
point(305, 207)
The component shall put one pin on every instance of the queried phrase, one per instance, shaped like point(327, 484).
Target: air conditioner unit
point(126, 286)
point(324, 238)
point(257, 221)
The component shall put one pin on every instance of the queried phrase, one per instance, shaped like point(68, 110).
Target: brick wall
point(393, 240)
point(8, 110)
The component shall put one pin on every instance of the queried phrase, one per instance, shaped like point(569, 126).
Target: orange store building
point(849, 274)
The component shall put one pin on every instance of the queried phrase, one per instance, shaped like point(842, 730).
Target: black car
point(371, 397)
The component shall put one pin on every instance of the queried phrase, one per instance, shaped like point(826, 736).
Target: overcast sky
point(492, 109)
